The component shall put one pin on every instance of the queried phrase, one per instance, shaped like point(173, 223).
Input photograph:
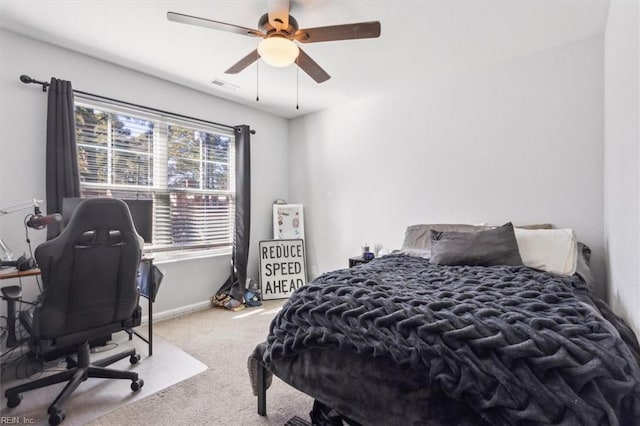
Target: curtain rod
point(28, 80)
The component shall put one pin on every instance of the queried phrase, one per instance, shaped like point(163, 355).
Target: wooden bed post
point(262, 389)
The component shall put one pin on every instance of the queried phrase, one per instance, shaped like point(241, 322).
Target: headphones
point(22, 264)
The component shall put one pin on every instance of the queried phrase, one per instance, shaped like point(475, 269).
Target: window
point(185, 166)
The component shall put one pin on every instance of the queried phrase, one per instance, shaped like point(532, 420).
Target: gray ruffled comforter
point(509, 345)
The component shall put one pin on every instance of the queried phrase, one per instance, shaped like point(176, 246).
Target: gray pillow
point(482, 248)
point(536, 226)
point(583, 269)
point(419, 236)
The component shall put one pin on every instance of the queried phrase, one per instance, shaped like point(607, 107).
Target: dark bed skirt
point(369, 391)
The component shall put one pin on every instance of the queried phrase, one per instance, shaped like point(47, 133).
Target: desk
point(11, 294)
point(145, 264)
point(148, 291)
point(11, 272)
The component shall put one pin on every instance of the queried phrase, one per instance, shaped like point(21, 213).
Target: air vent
point(223, 84)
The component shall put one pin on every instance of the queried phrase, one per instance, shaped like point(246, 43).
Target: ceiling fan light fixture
point(278, 51)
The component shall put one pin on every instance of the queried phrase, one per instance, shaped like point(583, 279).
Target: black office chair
point(90, 291)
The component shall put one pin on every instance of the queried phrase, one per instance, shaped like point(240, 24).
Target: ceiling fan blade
point(243, 63)
point(310, 66)
point(208, 23)
point(339, 32)
point(279, 14)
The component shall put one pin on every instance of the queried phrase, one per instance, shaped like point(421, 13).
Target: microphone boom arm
point(21, 206)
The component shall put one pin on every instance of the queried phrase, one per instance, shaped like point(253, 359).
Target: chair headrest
point(99, 221)
point(94, 237)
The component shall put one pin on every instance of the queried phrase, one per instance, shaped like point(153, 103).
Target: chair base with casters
point(79, 369)
point(76, 373)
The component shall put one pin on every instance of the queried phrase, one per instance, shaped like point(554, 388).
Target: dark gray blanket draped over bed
point(514, 344)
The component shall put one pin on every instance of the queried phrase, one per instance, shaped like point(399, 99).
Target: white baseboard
point(182, 310)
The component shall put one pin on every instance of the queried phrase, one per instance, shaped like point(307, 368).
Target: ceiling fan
point(279, 30)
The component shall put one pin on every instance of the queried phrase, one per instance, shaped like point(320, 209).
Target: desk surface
point(11, 272)
point(8, 272)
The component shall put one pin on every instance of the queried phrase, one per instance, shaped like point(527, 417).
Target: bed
point(425, 336)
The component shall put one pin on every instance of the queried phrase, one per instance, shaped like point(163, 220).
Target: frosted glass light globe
point(278, 51)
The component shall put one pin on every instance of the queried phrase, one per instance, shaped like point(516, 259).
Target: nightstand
point(357, 260)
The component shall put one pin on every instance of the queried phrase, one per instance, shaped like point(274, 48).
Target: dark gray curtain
point(63, 179)
point(235, 284)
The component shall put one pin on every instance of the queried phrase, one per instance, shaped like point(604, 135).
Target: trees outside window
point(184, 166)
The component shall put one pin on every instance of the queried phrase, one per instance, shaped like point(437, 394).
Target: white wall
point(621, 159)
point(22, 149)
point(517, 141)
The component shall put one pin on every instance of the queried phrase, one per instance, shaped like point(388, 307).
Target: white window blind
point(185, 166)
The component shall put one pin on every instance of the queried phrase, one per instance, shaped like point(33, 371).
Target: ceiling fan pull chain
point(297, 84)
point(257, 77)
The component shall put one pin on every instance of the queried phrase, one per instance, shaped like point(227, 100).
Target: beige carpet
point(96, 397)
point(221, 395)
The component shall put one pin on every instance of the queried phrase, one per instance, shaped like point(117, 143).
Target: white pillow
point(552, 250)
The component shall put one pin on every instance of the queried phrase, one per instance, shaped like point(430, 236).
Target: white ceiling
point(419, 40)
